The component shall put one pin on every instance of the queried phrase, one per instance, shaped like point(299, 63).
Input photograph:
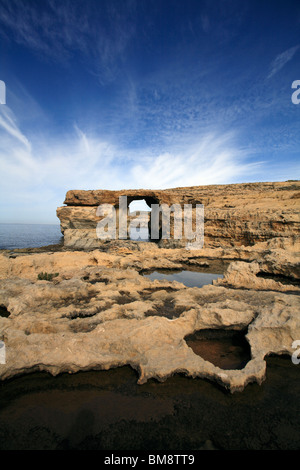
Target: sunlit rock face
point(234, 215)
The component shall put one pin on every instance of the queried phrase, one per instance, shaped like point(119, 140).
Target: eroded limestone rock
point(101, 312)
point(235, 214)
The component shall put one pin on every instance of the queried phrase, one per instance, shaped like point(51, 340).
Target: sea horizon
point(28, 235)
point(26, 223)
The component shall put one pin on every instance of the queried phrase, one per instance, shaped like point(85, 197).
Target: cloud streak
point(39, 169)
point(9, 124)
point(44, 170)
point(282, 59)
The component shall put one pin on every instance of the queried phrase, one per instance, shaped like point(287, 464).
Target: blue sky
point(120, 94)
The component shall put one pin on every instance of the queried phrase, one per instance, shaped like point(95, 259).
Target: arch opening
point(139, 212)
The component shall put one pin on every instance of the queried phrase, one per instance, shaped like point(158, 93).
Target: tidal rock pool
point(190, 276)
point(226, 349)
point(197, 273)
point(108, 410)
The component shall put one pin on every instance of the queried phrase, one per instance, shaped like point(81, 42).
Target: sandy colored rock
point(245, 275)
point(235, 214)
point(100, 312)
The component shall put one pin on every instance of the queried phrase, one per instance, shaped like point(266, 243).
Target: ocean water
point(28, 235)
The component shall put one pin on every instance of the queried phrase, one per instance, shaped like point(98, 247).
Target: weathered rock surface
point(100, 312)
point(235, 214)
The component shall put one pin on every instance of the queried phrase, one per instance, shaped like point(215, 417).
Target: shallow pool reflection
point(188, 278)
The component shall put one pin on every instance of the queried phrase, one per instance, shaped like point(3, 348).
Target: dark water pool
point(107, 410)
point(227, 349)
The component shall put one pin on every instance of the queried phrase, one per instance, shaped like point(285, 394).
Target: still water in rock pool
point(186, 277)
point(227, 349)
point(108, 410)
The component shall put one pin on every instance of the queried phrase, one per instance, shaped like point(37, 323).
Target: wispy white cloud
point(282, 59)
point(9, 124)
point(41, 169)
point(212, 159)
point(38, 168)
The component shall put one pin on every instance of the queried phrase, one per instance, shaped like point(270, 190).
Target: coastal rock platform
point(96, 310)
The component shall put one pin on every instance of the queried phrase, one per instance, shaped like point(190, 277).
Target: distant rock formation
point(234, 214)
